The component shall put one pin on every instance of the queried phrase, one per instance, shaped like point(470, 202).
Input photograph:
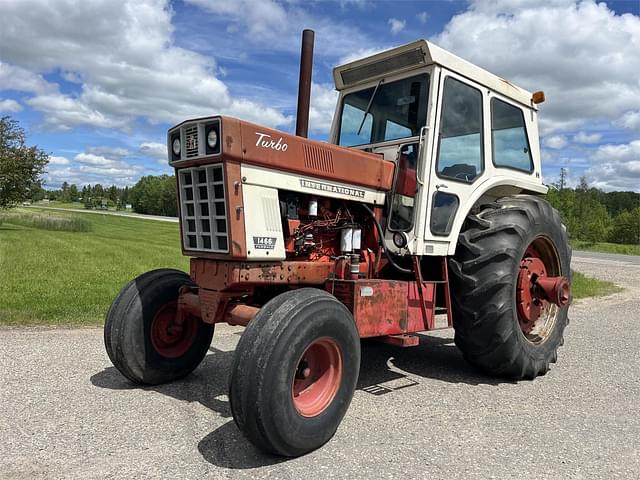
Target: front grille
point(203, 210)
point(191, 141)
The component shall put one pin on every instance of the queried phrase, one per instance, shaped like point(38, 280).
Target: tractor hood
point(248, 143)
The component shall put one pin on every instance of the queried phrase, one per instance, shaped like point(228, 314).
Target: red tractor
point(423, 211)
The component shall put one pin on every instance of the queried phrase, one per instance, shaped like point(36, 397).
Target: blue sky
point(97, 83)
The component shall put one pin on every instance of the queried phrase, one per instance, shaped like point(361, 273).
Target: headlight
point(212, 139)
point(176, 146)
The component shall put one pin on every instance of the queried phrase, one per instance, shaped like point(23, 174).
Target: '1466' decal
point(264, 243)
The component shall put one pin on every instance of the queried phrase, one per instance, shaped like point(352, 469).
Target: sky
point(97, 83)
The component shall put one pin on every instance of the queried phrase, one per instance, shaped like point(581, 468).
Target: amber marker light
point(537, 97)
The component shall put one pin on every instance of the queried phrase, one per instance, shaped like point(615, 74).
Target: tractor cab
point(458, 134)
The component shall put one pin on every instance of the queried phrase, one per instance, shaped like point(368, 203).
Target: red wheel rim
point(317, 377)
point(536, 314)
point(167, 337)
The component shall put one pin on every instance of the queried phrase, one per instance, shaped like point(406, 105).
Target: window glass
point(398, 110)
point(351, 120)
point(392, 130)
point(509, 137)
point(460, 140)
point(403, 201)
point(443, 212)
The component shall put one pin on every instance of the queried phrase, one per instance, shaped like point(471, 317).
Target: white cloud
point(583, 55)
point(268, 25)
point(157, 151)
point(323, 104)
point(360, 53)
point(357, 3)
point(96, 160)
point(556, 142)
point(53, 160)
point(630, 120)
point(20, 79)
point(423, 17)
point(616, 167)
point(113, 152)
point(109, 168)
point(396, 25)
point(127, 62)
point(10, 106)
point(587, 138)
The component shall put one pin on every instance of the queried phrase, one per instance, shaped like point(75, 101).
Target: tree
point(626, 227)
point(21, 167)
point(155, 195)
point(73, 192)
point(591, 217)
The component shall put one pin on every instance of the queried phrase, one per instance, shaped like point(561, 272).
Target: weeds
point(46, 222)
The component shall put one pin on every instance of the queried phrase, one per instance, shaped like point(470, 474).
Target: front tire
point(494, 325)
point(295, 372)
point(140, 337)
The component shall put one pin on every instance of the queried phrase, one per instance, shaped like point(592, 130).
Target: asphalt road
point(65, 412)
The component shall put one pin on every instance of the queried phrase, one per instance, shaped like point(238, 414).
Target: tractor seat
point(460, 171)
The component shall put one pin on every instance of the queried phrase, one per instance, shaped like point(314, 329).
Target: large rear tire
point(494, 325)
point(294, 372)
point(140, 336)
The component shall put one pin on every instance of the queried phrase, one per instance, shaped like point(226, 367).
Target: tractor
point(424, 210)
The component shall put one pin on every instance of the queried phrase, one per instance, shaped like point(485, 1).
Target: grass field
point(606, 247)
point(70, 278)
point(53, 277)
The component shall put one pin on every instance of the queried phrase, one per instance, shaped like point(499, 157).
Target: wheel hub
point(168, 337)
point(317, 377)
point(537, 292)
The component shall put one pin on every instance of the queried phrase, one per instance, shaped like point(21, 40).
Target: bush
point(47, 222)
point(626, 227)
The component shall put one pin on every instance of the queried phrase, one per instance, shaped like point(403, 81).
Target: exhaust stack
point(304, 86)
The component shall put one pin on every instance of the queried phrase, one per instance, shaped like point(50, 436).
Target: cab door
point(458, 157)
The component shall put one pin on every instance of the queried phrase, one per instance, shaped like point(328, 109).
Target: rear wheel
point(141, 335)
point(295, 372)
point(510, 287)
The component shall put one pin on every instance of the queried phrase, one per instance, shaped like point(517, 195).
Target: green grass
point(606, 247)
point(70, 278)
point(583, 286)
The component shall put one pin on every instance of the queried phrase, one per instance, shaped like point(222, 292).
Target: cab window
point(394, 110)
point(509, 137)
point(351, 120)
point(460, 140)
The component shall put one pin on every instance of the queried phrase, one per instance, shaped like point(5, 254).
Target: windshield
point(397, 110)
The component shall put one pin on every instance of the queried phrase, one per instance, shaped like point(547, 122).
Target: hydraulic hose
point(381, 242)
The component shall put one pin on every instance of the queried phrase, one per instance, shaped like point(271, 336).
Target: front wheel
point(141, 336)
point(295, 372)
point(510, 287)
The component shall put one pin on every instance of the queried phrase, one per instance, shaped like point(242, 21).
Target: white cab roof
point(418, 54)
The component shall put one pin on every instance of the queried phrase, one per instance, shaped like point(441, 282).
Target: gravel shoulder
point(422, 412)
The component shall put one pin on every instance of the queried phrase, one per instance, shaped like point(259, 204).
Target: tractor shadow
point(384, 369)
point(208, 385)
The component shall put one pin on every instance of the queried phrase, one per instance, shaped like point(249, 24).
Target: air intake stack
point(304, 86)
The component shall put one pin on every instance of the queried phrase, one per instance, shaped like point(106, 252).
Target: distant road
point(606, 258)
point(107, 212)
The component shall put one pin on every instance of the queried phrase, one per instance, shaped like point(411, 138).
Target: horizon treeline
point(590, 214)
